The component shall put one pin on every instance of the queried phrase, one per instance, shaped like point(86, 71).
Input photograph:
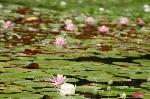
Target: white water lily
point(67, 89)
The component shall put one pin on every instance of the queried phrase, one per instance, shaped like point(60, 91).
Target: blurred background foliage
point(128, 8)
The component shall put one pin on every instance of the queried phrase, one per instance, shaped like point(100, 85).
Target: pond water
point(100, 65)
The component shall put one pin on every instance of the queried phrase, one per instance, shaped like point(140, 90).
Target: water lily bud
point(2, 21)
point(68, 21)
point(123, 96)
point(101, 9)
point(7, 24)
point(60, 79)
point(69, 26)
point(67, 89)
point(140, 21)
point(124, 21)
point(103, 29)
point(108, 88)
point(90, 20)
point(59, 42)
point(110, 82)
point(95, 91)
point(148, 79)
point(32, 19)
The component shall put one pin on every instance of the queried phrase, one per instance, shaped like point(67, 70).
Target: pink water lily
point(7, 24)
point(69, 26)
point(59, 80)
point(90, 20)
point(103, 29)
point(124, 21)
point(59, 41)
point(140, 21)
point(138, 94)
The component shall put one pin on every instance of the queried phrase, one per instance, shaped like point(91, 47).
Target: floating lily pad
point(32, 84)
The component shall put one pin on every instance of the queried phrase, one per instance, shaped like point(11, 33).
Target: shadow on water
point(90, 95)
point(98, 96)
point(81, 81)
point(110, 60)
point(107, 60)
point(133, 82)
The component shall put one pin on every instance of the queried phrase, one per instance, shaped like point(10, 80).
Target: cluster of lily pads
point(69, 89)
point(70, 26)
point(95, 55)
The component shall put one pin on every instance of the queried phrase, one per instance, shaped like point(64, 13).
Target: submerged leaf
point(33, 66)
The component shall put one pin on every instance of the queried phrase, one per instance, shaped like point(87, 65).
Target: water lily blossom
point(90, 20)
point(69, 26)
point(140, 21)
point(63, 88)
point(103, 29)
point(138, 95)
point(60, 79)
point(59, 41)
point(67, 89)
point(124, 21)
point(7, 24)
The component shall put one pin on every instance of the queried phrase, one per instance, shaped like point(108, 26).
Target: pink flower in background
point(140, 21)
point(90, 20)
point(59, 41)
point(138, 94)
point(103, 29)
point(59, 80)
point(124, 21)
point(69, 26)
point(7, 24)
